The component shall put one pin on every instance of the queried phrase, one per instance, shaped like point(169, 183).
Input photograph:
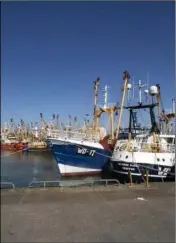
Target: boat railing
point(74, 183)
point(75, 135)
point(6, 185)
point(146, 147)
point(159, 147)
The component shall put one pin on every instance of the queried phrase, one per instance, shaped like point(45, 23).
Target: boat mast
point(173, 105)
point(53, 121)
point(110, 109)
point(44, 126)
point(126, 78)
point(57, 121)
point(168, 116)
point(104, 108)
point(140, 86)
point(95, 120)
point(158, 97)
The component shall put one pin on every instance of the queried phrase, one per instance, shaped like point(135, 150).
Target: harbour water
point(23, 167)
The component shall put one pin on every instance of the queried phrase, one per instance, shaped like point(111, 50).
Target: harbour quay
point(101, 214)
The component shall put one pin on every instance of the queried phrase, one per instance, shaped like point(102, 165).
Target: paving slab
point(113, 214)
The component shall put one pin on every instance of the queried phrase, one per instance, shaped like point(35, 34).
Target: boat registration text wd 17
point(85, 151)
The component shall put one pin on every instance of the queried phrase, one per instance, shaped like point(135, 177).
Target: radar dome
point(146, 91)
point(153, 90)
point(129, 86)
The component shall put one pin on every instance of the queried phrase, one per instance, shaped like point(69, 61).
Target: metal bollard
point(130, 178)
point(147, 178)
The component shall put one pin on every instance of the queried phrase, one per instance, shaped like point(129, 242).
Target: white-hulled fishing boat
point(150, 154)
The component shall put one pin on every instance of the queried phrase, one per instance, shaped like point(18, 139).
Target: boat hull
point(138, 171)
point(159, 166)
point(14, 146)
point(77, 160)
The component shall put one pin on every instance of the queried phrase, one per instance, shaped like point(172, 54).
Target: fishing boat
point(151, 154)
point(86, 152)
point(78, 154)
point(10, 143)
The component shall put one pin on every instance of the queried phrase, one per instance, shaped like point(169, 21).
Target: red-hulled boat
point(12, 144)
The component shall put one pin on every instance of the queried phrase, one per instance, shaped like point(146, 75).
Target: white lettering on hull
point(85, 151)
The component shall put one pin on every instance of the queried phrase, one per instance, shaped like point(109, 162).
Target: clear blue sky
point(52, 52)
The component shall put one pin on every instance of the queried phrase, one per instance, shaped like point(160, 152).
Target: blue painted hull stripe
point(67, 155)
